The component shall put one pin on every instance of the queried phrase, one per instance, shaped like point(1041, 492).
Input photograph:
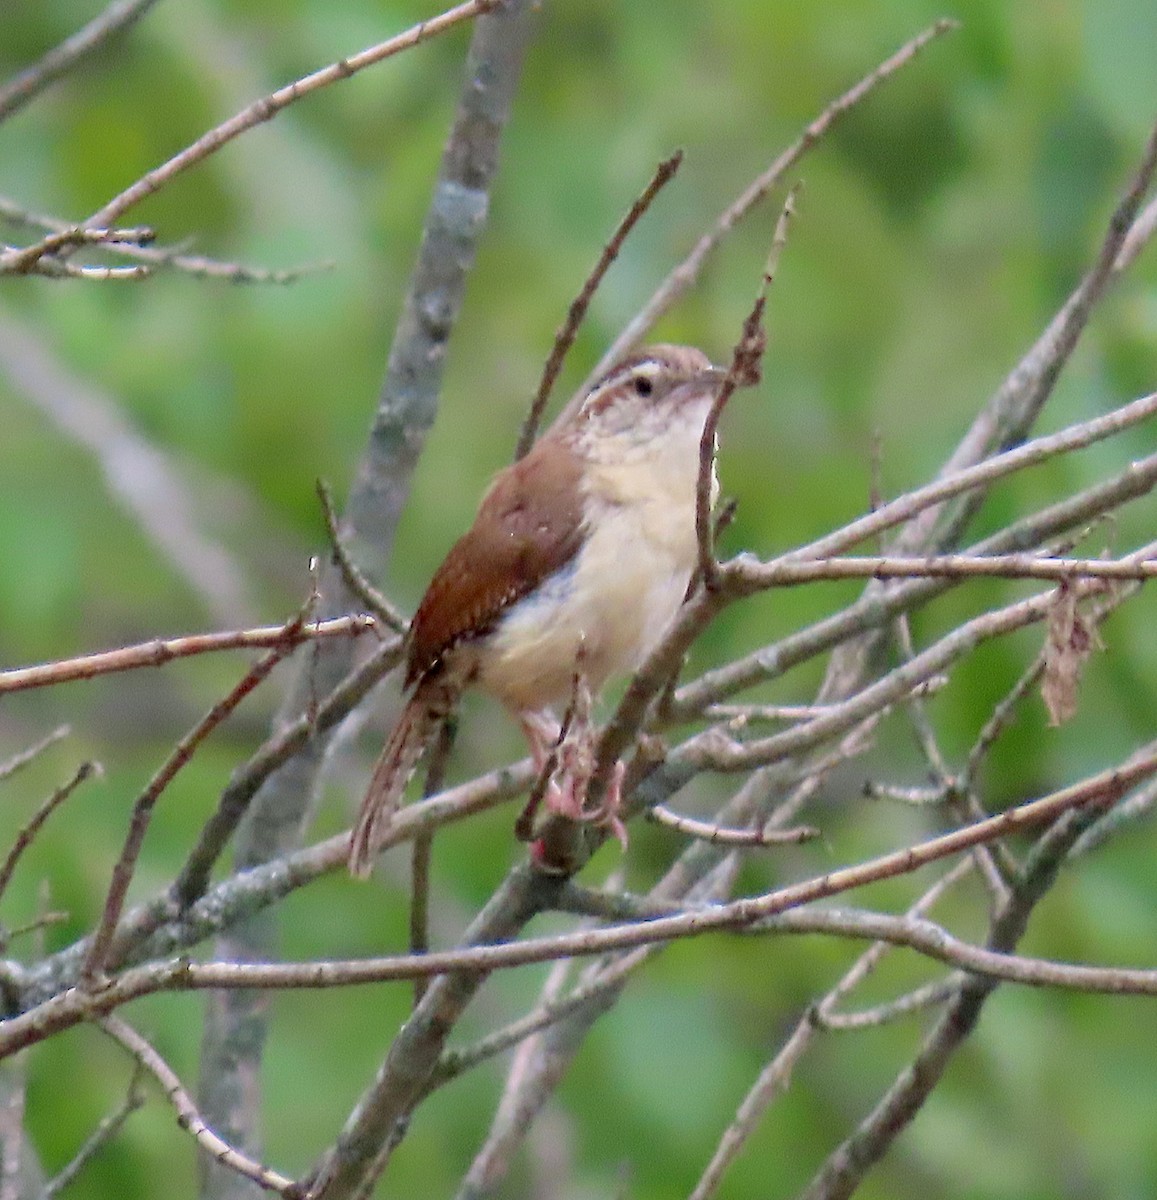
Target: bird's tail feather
point(425, 711)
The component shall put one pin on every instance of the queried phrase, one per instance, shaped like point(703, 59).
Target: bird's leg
point(568, 753)
point(576, 767)
point(544, 734)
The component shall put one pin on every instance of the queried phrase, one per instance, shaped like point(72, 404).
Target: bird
point(578, 559)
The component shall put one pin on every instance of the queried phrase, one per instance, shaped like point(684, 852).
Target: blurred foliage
point(939, 229)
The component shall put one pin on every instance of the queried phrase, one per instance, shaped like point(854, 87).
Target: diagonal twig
point(564, 339)
point(29, 83)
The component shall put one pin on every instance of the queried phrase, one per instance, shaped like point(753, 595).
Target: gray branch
point(234, 1034)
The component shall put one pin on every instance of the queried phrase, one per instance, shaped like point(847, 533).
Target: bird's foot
point(567, 795)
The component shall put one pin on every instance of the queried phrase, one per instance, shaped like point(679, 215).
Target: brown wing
point(528, 526)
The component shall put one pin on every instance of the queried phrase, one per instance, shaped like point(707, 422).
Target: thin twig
point(193, 877)
point(714, 748)
point(102, 938)
point(564, 338)
point(744, 371)
point(552, 1007)
point(30, 82)
point(840, 1175)
point(28, 832)
point(57, 268)
point(960, 801)
point(785, 573)
point(681, 278)
point(188, 1116)
point(916, 796)
point(109, 1126)
point(374, 601)
point(18, 761)
point(256, 113)
point(175, 257)
point(774, 1078)
point(44, 920)
point(875, 611)
point(1009, 414)
point(917, 1000)
point(1039, 450)
point(164, 650)
point(740, 715)
point(709, 831)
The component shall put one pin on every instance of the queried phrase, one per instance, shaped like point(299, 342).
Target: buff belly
point(614, 600)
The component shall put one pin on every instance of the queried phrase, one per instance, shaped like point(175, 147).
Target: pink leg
point(566, 791)
point(569, 797)
point(542, 733)
point(541, 730)
point(608, 812)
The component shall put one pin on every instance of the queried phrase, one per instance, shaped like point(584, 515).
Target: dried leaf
point(1069, 641)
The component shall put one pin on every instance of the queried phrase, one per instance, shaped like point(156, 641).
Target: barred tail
point(426, 709)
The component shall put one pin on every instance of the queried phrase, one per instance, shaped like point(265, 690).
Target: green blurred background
point(939, 228)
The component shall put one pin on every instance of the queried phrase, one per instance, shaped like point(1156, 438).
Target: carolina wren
point(580, 556)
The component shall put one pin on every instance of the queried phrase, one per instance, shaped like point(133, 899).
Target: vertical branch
point(744, 371)
point(235, 1023)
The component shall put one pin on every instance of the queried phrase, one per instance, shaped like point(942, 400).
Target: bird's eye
point(644, 385)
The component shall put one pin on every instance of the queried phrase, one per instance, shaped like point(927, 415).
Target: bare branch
point(29, 83)
point(917, 1000)
point(258, 112)
point(744, 371)
point(1039, 450)
point(27, 834)
point(176, 258)
point(358, 585)
point(774, 1078)
point(875, 611)
point(715, 749)
point(165, 925)
point(564, 338)
point(787, 573)
point(19, 761)
point(846, 1166)
point(463, 969)
point(101, 943)
point(160, 651)
point(104, 1133)
point(1013, 408)
point(708, 831)
point(687, 272)
point(187, 1115)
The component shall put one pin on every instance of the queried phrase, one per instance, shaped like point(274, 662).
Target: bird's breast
point(613, 599)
